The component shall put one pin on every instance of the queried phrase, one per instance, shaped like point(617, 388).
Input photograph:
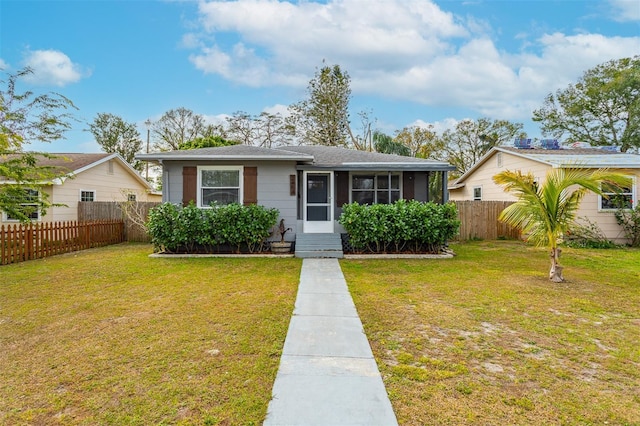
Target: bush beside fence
point(22, 242)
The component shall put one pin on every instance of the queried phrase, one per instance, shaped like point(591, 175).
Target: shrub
point(404, 225)
point(587, 235)
point(629, 220)
point(190, 229)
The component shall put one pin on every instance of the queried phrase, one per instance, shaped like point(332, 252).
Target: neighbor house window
point(131, 197)
point(499, 159)
point(477, 193)
point(616, 198)
point(87, 195)
point(30, 209)
point(375, 188)
point(219, 185)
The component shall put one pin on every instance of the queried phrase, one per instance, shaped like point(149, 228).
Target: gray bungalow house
point(307, 184)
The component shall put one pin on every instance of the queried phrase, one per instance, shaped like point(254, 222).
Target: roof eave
point(378, 167)
point(165, 157)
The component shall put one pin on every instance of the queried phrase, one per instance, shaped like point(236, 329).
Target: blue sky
point(410, 62)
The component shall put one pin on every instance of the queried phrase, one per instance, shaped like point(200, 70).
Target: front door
point(318, 211)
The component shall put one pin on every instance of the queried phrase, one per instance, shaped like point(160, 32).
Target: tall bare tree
point(240, 127)
point(270, 130)
point(177, 126)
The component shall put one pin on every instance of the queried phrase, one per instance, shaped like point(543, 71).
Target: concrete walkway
point(327, 373)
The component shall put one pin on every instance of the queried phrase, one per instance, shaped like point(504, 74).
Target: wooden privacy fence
point(34, 241)
point(136, 212)
point(479, 220)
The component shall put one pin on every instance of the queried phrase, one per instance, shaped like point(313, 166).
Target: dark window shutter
point(189, 184)
point(342, 188)
point(250, 186)
point(408, 185)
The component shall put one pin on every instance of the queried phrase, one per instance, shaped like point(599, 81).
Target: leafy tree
point(323, 118)
point(114, 134)
point(385, 144)
point(417, 139)
point(545, 212)
point(177, 126)
point(206, 142)
point(602, 108)
point(27, 117)
point(470, 140)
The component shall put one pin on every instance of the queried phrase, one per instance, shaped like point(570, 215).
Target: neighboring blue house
point(307, 184)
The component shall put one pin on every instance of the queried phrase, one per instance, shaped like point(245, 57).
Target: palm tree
point(545, 212)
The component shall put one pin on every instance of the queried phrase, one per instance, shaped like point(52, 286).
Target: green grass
point(485, 338)
point(110, 336)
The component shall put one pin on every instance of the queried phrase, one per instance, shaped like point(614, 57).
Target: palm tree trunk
point(555, 274)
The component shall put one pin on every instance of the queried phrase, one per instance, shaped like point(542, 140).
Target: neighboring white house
point(477, 183)
point(89, 177)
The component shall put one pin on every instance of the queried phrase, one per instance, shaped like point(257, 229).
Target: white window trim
point(375, 174)
point(634, 197)
point(240, 170)
point(5, 218)
point(86, 190)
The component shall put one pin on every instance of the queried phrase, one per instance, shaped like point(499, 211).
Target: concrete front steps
point(319, 246)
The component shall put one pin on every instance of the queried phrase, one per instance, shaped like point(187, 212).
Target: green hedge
point(402, 226)
point(189, 229)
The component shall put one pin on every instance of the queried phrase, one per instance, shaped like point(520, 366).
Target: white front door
point(318, 210)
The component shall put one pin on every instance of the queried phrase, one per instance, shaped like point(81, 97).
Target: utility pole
point(147, 123)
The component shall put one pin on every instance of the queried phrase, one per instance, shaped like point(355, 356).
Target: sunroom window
point(219, 185)
point(375, 188)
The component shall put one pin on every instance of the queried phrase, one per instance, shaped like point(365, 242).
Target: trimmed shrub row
point(189, 229)
point(403, 226)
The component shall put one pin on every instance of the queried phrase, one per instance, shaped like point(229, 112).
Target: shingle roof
point(233, 152)
point(315, 156)
point(74, 163)
point(335, 157)
point(67, 162)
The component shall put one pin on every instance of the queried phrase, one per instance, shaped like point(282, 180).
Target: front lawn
point(485, 338)
point(110, 336)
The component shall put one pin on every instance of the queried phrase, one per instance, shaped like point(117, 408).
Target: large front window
point(219, 185)
point(375, 188)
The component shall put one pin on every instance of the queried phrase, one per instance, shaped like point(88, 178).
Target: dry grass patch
point(109, 336)
point(485, 338)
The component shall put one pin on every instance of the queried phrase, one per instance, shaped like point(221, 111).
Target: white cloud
point(397, 49)
point(625, 10)
point(3, 65)
point(220, 119)
point(52, 67)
